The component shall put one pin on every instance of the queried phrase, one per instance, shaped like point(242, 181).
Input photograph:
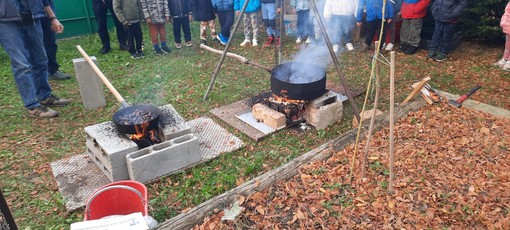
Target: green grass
point(181, 78)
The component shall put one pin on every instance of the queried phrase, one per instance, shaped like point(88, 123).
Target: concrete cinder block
point(270, 117)
point(161, 159)
point(325, 115)
point(91, 87)
point(115, 174)
point(173, 124)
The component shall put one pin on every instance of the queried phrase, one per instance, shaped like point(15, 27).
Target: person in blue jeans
point(446, 14)
point(22, 39)
point(340, 16)
point(225, 11)
point(304, 24)
point(269, 9)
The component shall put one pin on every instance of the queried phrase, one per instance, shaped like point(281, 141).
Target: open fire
point(293, 109)
point(145, 137)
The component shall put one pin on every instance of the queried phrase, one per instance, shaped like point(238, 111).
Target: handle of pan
point(103, 78)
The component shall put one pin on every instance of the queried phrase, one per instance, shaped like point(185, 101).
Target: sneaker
point(42, 112)
point(277, 41)
point(440, 57)
point(349, 46)
point(215, 39)
point(178, 45)
point(269, 41)
point(500, 63)
point(410, 50)
point(506, 66)
point(298, 40)
point(140, 54)
point(389, 47)
point(402, 48)
point(254, 42)
point(158, 51)
point(53, 100)
point(58, 76)
point(431, 54)
point(105, 50)
point(203, 41)
point(223, 39)
point(189, 44)
point(308, 40)
point(134, 55)
point(335, 48)
point(165, 49)
point(245, 42)
point(123, 47)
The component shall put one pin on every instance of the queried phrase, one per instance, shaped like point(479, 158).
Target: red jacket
point(414, 8)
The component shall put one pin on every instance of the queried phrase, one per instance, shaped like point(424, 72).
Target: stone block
point(270, 117)
point(325, 115)
point(152, 162)
point(90, 85)
point(173, 124)
point(115, 174)
point(365, 116)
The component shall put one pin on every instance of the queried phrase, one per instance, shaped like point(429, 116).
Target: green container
point(77, 17)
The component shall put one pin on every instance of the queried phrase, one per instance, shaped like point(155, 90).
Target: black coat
point(448, 10)
point(202, 10)
point(179, 8)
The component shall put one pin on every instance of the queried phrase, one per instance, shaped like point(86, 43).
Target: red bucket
point(117, 198)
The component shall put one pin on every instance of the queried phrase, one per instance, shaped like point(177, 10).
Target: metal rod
point(392, 117)
point(282, 32)
point(222, 58)
point(335, 60)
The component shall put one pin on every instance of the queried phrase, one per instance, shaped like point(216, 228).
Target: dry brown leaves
point(451, 170)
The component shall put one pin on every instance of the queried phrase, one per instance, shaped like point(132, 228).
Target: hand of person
point(126, 25)
point(167, 19)
point(148, 20)
point(358, 24)
point(389, 20)
point(190, 17)
point(56, 26)
point(278, 10)
point(238, 13)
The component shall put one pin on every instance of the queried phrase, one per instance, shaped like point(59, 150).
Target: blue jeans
point(24, 45)
point(269, 17)
point(442, 37)
point(184, 24)
point(342, 28)
point(50, 43)
point(304, 24)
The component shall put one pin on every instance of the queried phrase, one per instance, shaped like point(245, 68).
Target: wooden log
point(235, 56)
point(415, 90)
point(197, 214)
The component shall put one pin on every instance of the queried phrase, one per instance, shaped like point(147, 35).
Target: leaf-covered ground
point(451, 171)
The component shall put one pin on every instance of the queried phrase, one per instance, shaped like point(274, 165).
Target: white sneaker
point(349, 46)
point(245, 42)
point(298, 40)
point(335, 48)
point(254, 42)
point(308, 40)
point(506, 66)
point(389, 47)
point(500, 63)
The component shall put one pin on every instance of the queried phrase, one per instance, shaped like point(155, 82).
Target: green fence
point(77, 17)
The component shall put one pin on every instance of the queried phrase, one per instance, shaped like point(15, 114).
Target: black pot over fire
point(298, 81)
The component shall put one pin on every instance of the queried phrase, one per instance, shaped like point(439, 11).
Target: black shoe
point(53, 100)
point(158, 51)
point(202, 41)
point(403, 47)
point(410, 50)
point(58, 76)
point(134, 55)
point(140, 54)
point(124, 47)
point(105, 50)
point(165, 49)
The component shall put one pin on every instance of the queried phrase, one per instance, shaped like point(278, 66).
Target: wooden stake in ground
point(372, 119)
point(392, 119)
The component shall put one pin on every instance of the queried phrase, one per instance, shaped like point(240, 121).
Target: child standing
point(203, 12)
point(445, 13)
point(156, 14)
point(340, 15)
point(129, 13)
point(225, 11)
point(269, 10)
point(316, 28)
point(504, 62)
point(304, 26)
point(373, 21)
point(397, 5)
point(413, 12)
point(251, 19)
point(180, 11)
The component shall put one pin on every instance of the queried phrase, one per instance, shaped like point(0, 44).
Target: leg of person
point(384, 33)
point(137, 33)
point(203, 32)
point(212, 28)
point(162, 34)
point(177, 32)
point(436, 39)
point(187, 31)
point(271, 16)
point(414, 37)
point(265, 20)
point(300, 26)
point(222, 17)
point(131, 43)
point(335, 25)
point(229, 21)
point(254, 18)
point(153, 32)
point(246, 29)
point(445, 46)
point(119, 28)
point(405, 34)
point(346, 26)
point(100, 12)
point(391, 33)
point(50, 46)
point(370, 29)
point(308, 27)
point(506, 55)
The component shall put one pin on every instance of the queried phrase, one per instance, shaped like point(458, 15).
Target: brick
point(364, 116)
point(270, 117)
point(325, 115)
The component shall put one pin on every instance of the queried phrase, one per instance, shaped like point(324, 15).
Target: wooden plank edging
point(197, 214)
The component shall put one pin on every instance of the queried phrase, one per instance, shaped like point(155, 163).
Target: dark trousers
point(304, 25)
point(372, 28)
point(442, 37)
point(100, 11)
point(184, 24)
point(226, 19)
point(50, 45)
point(134, 32)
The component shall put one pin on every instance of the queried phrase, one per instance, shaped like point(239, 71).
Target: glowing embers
point(145, 137)
point(294, 110)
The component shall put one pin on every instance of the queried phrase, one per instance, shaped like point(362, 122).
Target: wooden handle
point(101, 75)
point(235, 56)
